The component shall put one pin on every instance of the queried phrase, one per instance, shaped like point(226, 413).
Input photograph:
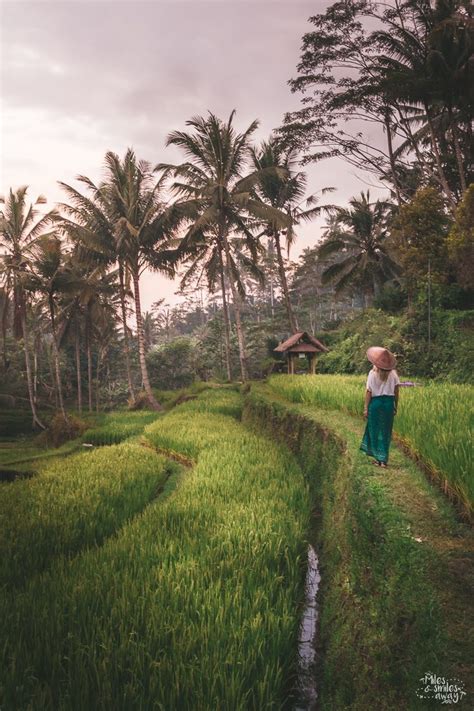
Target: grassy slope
point(397, 567)
point(193, 605)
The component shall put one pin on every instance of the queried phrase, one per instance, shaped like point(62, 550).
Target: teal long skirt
point(378, 431)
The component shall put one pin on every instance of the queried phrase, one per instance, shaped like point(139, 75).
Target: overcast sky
point(80, 77)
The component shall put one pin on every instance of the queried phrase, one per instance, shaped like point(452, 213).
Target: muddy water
point(307, 690)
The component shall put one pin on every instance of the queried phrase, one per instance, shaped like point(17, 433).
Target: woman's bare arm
point(397, 393)
point(368, 398)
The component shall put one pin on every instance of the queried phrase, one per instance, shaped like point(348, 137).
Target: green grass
point(118, 426)
point(435, 420)
point(69, 507)
point(396, 577)
point(193, 605)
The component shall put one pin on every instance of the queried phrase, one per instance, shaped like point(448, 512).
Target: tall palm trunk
point(125, 334)
point(35, 369)
point(225, 308)
point(392, 160)
point(4, 330)
point(57, 368)
point(78, 372)
point(29, 378)
point(141, 344)
point(457, 152)
point(284, 284)
point(97, 379)
point(237, 304)
point(89, 364)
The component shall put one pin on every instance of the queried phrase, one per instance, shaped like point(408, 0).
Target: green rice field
point(434, 419)
point(129, 581)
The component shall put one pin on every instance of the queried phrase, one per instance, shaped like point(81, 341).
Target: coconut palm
point(214, 192)
point(49, 278)
point(88, 307)
point(134, 229)
point(204, 255)
point(356, 237)
point(90, 227)
point(284, 191)
point(20, 226)
point(143, 230)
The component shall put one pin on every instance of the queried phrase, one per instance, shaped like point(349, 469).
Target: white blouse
point(380, 387)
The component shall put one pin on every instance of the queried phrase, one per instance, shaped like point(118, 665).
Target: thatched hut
point(298, 343)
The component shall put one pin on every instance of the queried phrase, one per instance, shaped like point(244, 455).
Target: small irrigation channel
point(306, 689)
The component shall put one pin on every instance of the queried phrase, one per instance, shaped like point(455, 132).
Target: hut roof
point(303, 348)
point(301, 338)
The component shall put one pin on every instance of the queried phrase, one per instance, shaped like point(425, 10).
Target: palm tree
point(143, 230)
point(49, 278)
point(134, 230)
point(356, 236)
point(20, 226)
point(88, 308)
point(149, 330)
point(91, 228)
point(204, 254)
point(216, 195)
point(284, 191)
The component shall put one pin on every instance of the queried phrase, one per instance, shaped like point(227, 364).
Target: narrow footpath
point(397, 566)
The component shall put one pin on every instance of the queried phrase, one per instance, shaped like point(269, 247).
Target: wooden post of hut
point(301, 342)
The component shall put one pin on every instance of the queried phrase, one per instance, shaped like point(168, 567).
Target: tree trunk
point(225, 308)
point(426, 169)
point(272, 295)
point(78, 373)
point(236, 302)
point(125, 334)
point(141, 344)
point(392, 160)
point(458, 154)
point(29, 378)
point(4, 329)
point(89, 366)
point(97, 373)
point(35, 371)
point(57, 368)
point(441, 173)
point(284, 284)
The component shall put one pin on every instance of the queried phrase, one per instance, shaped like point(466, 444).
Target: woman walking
point(381, 402)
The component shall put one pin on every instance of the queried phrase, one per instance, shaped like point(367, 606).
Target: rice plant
point(435, 420)
point(117, 427)
point(70, 506)
point(192, 606)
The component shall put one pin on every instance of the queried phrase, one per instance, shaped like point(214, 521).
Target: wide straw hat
point(382, 358)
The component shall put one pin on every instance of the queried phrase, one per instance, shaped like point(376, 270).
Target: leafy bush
point(62, 429)
point(448, 355)
point(173, 365)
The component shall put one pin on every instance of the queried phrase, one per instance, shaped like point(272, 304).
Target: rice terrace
point(236, 384)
